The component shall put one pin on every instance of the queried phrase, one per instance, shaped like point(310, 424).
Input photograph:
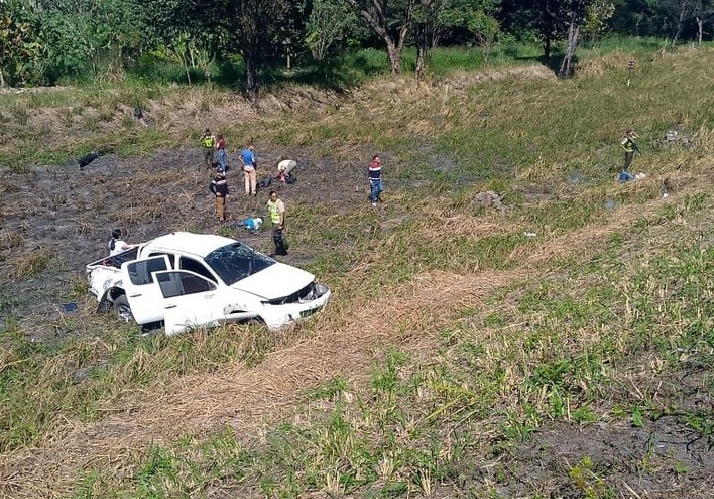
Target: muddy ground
point(57, 219)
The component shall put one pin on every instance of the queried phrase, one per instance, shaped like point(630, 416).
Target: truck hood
point(276, 281)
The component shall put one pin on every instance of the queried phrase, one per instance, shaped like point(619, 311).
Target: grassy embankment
point(480, 335)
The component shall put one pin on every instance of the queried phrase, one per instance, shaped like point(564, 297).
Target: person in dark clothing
point(219, 186)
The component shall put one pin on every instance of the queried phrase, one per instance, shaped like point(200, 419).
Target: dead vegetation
point(166, 191)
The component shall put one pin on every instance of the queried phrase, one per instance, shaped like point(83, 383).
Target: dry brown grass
point(32, 263)
point(348, 340)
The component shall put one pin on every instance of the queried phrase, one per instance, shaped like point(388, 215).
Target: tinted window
point(140, 272)
point(182, 283)
point(197, 267)
point(169, 256)
point(237, 261)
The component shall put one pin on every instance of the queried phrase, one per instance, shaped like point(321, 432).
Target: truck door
point(142, 293)
point(189, 301)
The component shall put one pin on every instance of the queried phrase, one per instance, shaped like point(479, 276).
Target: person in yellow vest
point(276, 213)
point(208, 143)
point(627, 143)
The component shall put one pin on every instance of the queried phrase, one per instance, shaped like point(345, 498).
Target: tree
point(678, 11)
point(391, 20)
point(18, 46)
point(546, 19)
point(702, 11)
point(330, 22)
point(576, 18)
point(424, 26)
point(87, 37)
point(250, 27)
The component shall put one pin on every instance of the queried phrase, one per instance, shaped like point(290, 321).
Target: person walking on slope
point(222, 158)
point(219, 187)
point(276, 213)
point(627, 143)
point(375, 180)
point(208, 143)
point(247, 158)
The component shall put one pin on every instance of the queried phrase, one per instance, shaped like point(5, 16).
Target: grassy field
point(460, 357)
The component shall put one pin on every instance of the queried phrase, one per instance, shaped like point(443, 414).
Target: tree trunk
point(374, 14)
point(546, 47)
point(251, 78)
point(420, 62)
point(700, 32)
point(422, 43)
point(566, 68)
point(679, 25)
point(394, 51)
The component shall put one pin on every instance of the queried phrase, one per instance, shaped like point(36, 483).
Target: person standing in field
point(627, 143)
point(222, 158)
point(208, 143)
point(247, 158)
point(276, 213)
point(375, 180)
point(219, 187)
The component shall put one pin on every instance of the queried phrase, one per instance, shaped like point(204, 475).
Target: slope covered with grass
point(459, 357)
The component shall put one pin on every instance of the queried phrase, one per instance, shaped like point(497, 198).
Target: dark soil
point(59, 218)
point(665, 456)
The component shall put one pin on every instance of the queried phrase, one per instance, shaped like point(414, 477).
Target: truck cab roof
point(200, 245)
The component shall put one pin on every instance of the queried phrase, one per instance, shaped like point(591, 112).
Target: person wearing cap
point(208, 143)
point(219, 186)
point(627, 143)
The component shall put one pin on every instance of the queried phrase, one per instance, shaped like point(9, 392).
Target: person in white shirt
point(116, 245)
point(285, 166)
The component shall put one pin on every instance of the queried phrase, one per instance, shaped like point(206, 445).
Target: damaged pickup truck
point(186, 281)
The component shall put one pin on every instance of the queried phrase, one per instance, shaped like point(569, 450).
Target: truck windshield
point(237, 261)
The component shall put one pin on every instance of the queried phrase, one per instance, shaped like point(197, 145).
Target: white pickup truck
point(186, 280)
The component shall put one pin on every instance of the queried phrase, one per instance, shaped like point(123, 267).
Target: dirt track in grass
point(63, 215)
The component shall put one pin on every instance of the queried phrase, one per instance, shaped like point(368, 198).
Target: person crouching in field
point(219, 186)
point(284, 168)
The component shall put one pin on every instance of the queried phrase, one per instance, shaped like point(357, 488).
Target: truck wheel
point(122, 309)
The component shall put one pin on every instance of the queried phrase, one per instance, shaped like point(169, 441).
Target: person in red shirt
point(375, 180)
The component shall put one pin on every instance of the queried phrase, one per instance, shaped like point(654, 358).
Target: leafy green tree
point(19, 47)
point(435, 20)
point(251, 28)
point(391, 20)
point(87, 37)
point(331, 22)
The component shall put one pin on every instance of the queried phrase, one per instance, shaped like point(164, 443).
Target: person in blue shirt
point(247, 158)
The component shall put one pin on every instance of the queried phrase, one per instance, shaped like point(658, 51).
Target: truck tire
point(122, 309)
